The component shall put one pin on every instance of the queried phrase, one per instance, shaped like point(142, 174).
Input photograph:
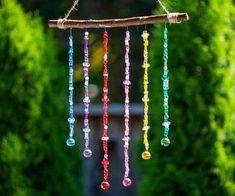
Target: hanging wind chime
point(111, 23)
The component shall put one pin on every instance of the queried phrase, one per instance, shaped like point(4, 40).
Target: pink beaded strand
point(126, 181)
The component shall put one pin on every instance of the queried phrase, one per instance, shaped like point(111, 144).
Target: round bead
point(87, 153)
point(105, 185)
point(126, 182)
point(146, 155)
point(165, 142)
point(70, 142)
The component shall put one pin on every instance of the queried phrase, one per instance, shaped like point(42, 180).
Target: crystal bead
point(145, 99)
point(105, 185)
point(105, 57)
point(126, 82)
point(87, 153)
point(71, 120)
point(126, 139)
point(145, 128)
point(146, 65)
point(166, 124)
point(86, 130)
point(86, 100)
point(126, 182)
point(86, 65)
point(70, 142)
point(71, 88)
point(165, 142)
point(146, 155)
point(105, 138)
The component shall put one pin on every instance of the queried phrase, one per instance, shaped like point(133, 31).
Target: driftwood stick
point(122, 22)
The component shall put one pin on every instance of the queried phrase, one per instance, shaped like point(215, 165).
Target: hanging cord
point(61, 21)
point(171, 17)
point(164, 7)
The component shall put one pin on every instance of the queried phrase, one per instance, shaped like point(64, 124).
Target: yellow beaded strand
point(146, 154)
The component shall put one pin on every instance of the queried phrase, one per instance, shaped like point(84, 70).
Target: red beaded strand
point(105, 184)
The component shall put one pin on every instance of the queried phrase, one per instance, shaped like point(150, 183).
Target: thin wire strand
point(162, 5)
point(71, 9)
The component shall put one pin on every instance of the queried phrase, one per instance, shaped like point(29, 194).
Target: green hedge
point(200, 159)
point(33, 157)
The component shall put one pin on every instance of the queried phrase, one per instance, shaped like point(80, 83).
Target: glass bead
point(71, 120)
point(146, 155)
point(86, 130)
point(87, 153)
point(165, 142)
point(126, 182)
point(70, 142)
point(105, 185)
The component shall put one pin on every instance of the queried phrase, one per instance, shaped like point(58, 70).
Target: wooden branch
point(123, 22)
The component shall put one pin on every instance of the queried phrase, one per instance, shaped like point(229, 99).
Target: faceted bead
point(105, 185)
point(146, 155)
point(145, 128)
point(86, 130)
point(87, 153)
point(70, 142)
point(105, 138)
point(126, 182)
point(165, 142)
point(71, 120)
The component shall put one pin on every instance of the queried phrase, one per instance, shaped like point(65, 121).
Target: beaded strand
point(87, 152)
point(105, 184)
point(165, 141)
point(126, 181)
point(70, 141)
point(146, 154)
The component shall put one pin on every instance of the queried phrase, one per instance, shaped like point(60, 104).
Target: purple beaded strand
point(87, 152)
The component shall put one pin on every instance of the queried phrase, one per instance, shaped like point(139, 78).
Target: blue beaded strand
point(166, 123)
point(70, 141)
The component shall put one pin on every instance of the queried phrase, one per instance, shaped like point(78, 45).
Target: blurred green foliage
point(33, 156)
point(200, 159)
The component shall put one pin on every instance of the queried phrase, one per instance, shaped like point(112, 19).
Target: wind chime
point(111, 23)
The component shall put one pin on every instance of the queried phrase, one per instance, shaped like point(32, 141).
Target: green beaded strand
point(166, 124)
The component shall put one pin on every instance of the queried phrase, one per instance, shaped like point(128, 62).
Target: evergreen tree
point(200, 159)
point(33, 156)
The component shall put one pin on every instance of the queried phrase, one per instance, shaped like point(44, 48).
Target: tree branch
point(123, 22)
